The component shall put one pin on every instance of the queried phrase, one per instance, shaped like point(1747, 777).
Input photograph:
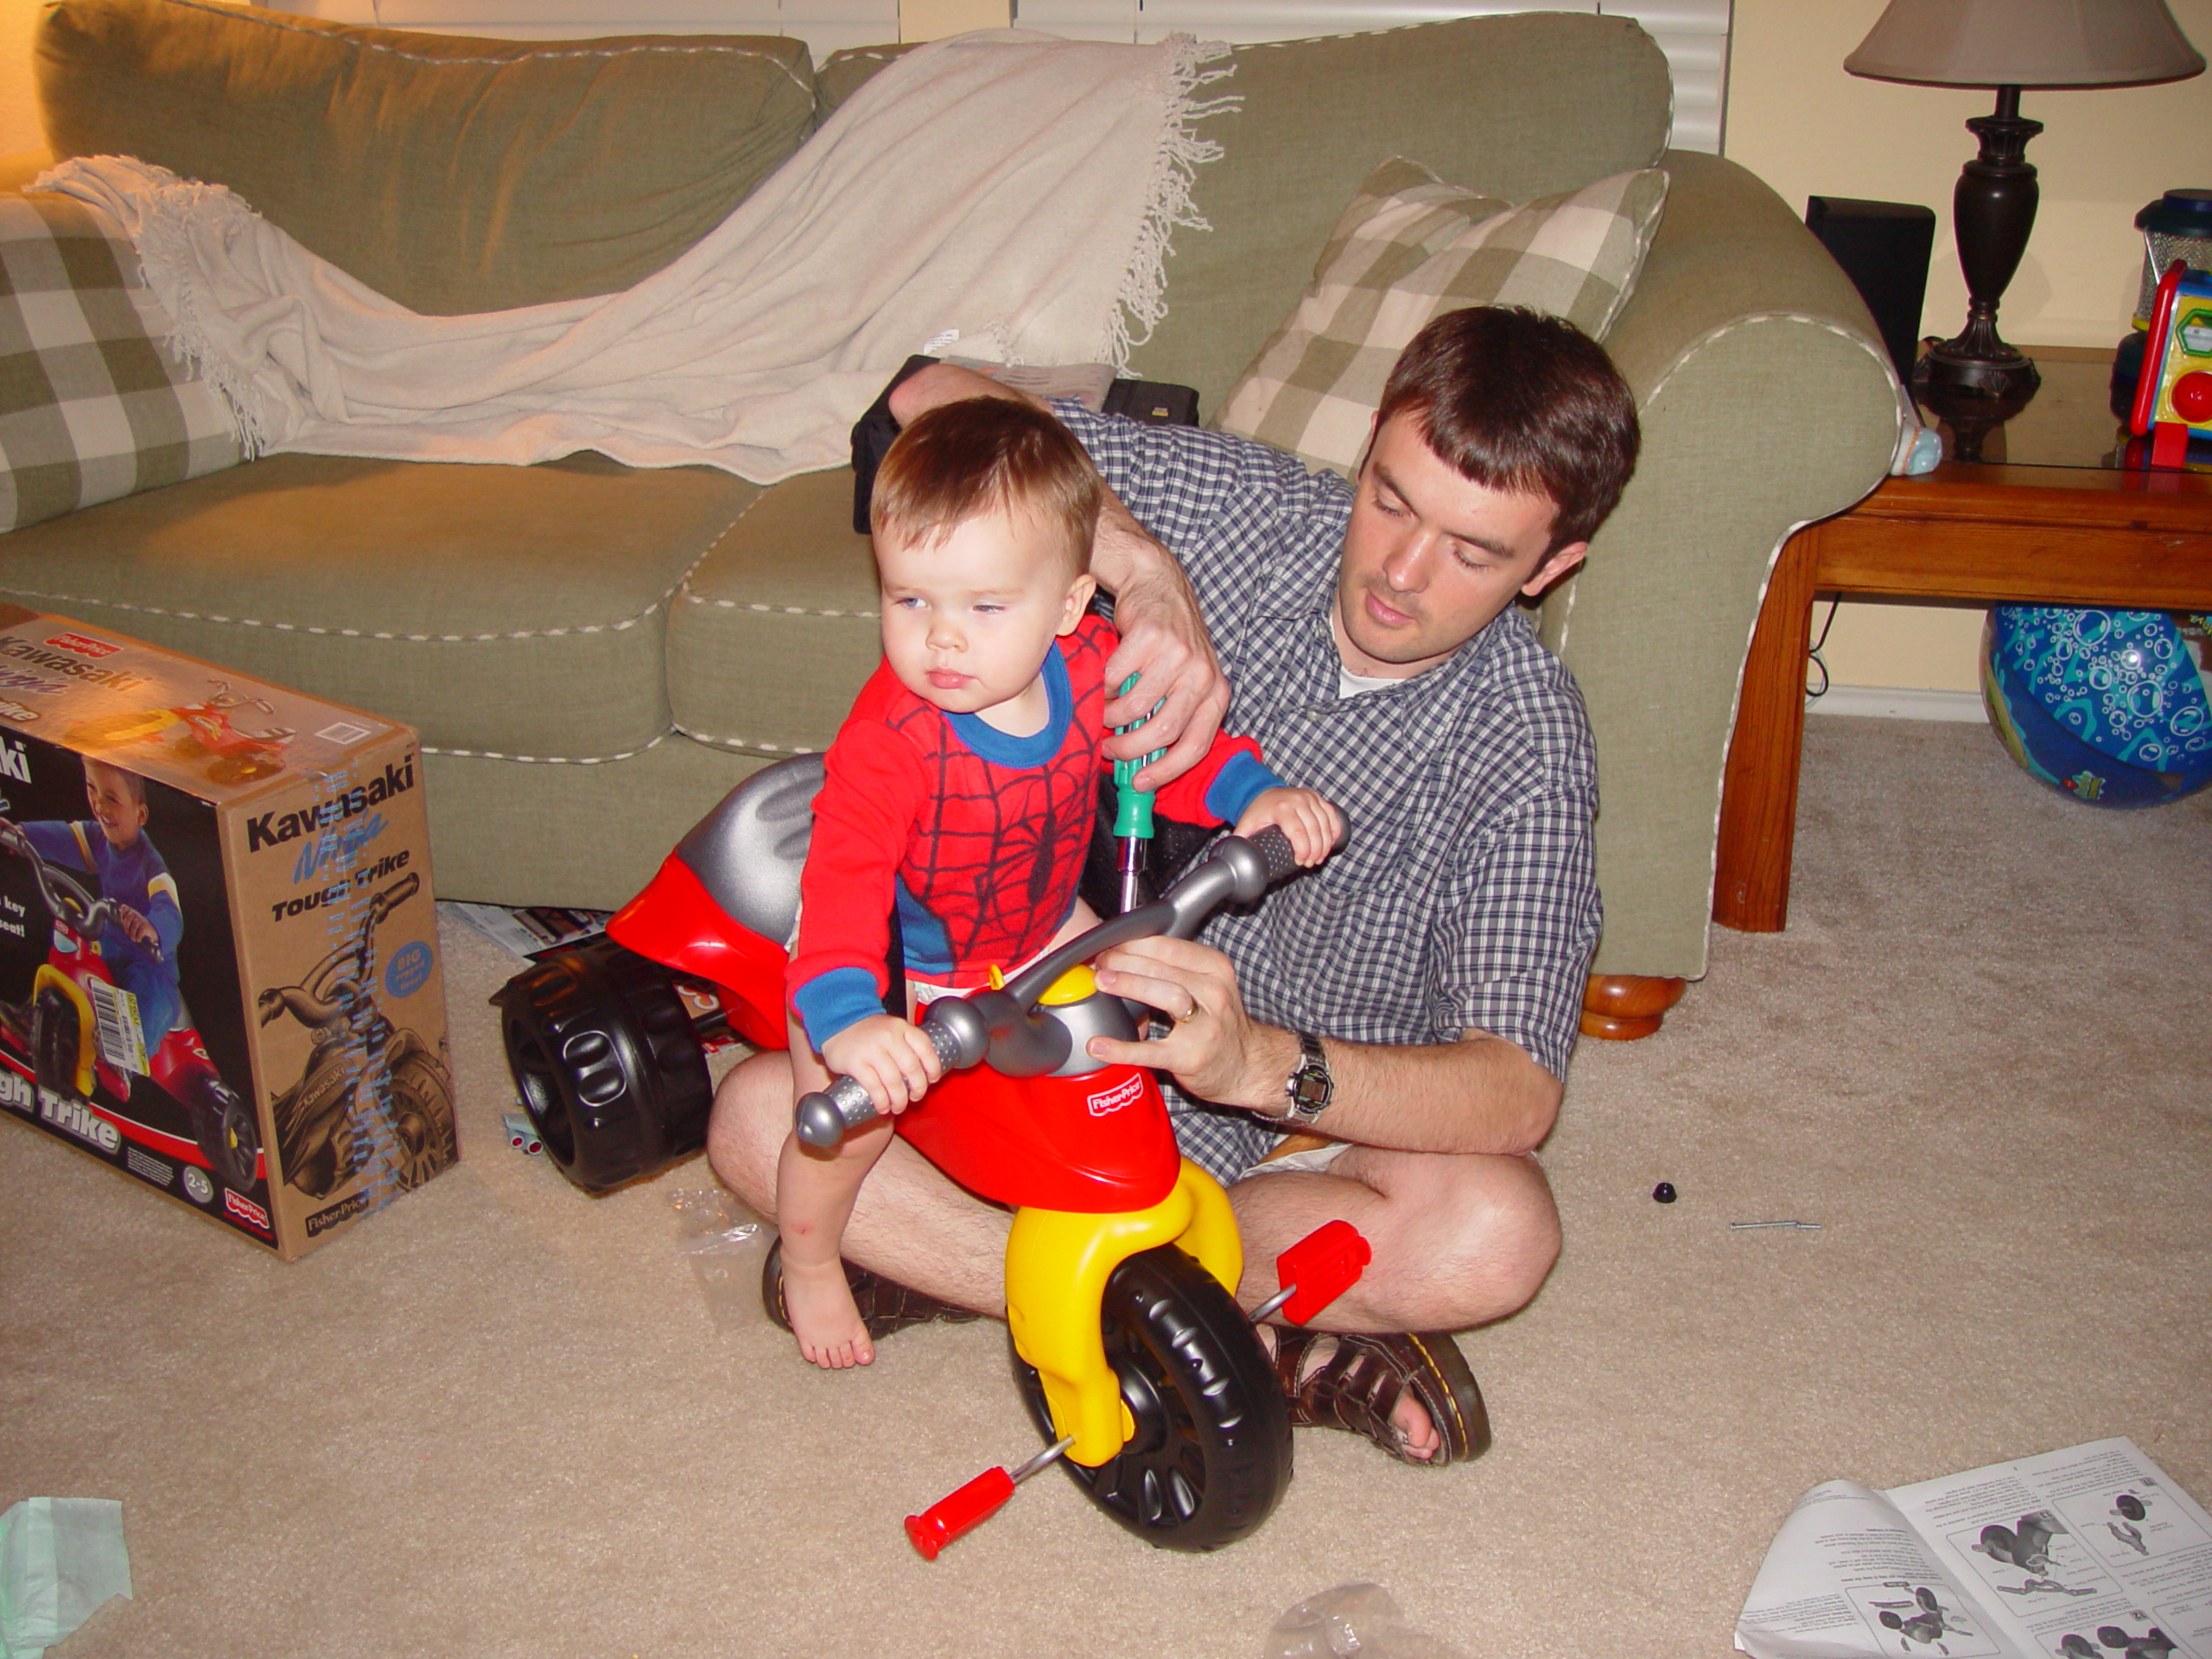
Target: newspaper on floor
point(2090, 1553)
point(528, 929)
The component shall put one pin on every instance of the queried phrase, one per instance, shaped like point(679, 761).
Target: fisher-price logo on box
point(246, 1211)
point(82, 646)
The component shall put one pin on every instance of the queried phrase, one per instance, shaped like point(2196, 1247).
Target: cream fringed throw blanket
point(1010, 190)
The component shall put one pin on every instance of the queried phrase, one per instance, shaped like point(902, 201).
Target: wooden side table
point(2038, 522)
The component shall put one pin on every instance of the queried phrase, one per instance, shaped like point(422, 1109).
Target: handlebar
point(1003, 1025)
point(62, 893)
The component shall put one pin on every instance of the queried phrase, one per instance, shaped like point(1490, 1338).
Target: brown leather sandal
point(1357, 1385)
point(885, 1305)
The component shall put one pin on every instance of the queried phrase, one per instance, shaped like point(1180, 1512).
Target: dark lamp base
point(1972, 394)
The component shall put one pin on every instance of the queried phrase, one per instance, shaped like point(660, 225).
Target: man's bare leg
point(909, 1223)
point(1458, 1241)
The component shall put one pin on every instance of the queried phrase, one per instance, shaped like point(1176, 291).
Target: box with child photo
point(219, 962)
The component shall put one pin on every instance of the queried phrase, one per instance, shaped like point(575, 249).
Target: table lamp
point(1975, 381)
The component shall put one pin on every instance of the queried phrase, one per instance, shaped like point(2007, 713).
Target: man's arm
point(1164, 640)
point(1481, 1093)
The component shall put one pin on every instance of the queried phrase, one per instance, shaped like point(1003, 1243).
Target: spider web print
point(998, 855)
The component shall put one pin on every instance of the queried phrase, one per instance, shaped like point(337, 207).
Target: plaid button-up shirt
point(1466, 896)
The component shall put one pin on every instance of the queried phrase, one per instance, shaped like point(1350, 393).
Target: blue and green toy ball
point(2107, 707)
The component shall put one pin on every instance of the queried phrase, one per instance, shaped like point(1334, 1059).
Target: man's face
point(1431, 558)
point(120, 814)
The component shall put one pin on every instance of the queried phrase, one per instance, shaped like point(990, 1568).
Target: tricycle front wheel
point(1210, 1456)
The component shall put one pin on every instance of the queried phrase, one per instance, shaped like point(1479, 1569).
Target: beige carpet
point(499, 1418)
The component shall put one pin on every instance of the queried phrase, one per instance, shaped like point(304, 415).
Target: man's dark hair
point(1514, 400)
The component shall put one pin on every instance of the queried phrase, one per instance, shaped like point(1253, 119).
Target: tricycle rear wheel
point(1210, 1456)
point(607, 1064)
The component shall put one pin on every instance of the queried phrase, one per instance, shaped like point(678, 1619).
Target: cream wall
point(1807, 127)
point(19, 129)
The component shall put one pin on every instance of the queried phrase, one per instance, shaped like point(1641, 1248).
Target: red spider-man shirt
point(979, 836)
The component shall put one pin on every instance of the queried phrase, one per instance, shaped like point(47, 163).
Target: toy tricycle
point(369, 1087)
point(1123, 1257)
point(73, 1031)
point(233, 754)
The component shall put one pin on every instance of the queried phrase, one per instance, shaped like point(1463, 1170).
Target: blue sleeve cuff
point(1237, 784)
point(830, 1002)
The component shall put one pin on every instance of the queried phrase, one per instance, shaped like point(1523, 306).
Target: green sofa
point(593, 655)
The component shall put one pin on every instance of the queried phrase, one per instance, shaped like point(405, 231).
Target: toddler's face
point(120, 815)
point(967, 619)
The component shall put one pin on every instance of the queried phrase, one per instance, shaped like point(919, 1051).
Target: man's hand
point(1215, 1050)
point(947, 383)
point(1164, 644)
point(889, 1057)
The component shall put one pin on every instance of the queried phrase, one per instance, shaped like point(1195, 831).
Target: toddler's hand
point(1313, 825)
point(889, 1057)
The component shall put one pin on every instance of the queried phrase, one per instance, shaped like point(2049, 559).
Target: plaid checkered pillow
point(91, 406)
point(1408, 249)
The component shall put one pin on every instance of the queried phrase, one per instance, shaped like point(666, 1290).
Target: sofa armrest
point(1768, 401)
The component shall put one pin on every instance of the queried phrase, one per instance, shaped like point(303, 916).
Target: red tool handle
point(949, 1517)
point(1321, 1267)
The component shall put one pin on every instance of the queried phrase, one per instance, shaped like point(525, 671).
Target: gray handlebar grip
point(1274, 847)
point(828, 1115)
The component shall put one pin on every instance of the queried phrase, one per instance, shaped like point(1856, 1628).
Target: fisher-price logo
point(245, 1210)
point(1122, 1094)
point(82, 646)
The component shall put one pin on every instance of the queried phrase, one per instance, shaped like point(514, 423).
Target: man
point(1414, 1001)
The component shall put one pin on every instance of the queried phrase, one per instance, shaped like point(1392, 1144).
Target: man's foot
point(824, 1317)
point(883, 1305)
point(1409, 1392)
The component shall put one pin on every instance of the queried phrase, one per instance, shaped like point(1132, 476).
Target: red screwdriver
point(1313, 1273)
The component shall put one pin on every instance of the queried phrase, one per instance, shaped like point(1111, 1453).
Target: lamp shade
point(2025, 43)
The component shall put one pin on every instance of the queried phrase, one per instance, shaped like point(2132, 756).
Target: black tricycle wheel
point(56, 1032)
point(228, 1134)
point(422, 1115)
point(607, 1064)
point(1210, 1457)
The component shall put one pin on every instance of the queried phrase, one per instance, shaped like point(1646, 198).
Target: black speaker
point(1883, 247)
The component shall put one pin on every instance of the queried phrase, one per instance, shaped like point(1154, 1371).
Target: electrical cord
point(1813, 654)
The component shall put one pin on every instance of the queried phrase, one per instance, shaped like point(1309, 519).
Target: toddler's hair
point(133, 785)
point(959, 460)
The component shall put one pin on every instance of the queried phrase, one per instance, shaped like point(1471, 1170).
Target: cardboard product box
point(219, 966)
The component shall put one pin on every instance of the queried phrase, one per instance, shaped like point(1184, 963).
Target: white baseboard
point(1898, 702)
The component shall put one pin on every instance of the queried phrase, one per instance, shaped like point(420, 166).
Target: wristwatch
point(1308, 1090)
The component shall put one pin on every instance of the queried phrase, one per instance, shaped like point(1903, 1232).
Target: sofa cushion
point(775, 630)
point(91, 406)
point(517, 611)
point(1515, 107)
point(450, 175)
point(1408, 249)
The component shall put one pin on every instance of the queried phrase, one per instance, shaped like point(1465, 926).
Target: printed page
point(2093, 1552)
point(1847, 1577)
point(527, 930)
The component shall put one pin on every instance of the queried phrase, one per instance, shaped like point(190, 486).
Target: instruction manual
point(2090, 1553)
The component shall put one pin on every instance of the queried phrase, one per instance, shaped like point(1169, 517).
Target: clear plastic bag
point(726, 1244)
point(1352, 1618)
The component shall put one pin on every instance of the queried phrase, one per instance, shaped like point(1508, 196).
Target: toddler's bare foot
point(823, 1316)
